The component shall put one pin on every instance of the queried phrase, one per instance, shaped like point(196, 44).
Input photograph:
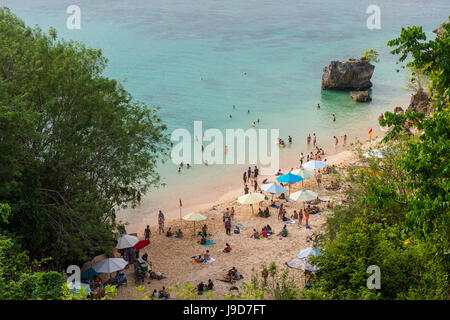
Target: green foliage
point(73, 144)
point(432, 57)
point(370, 55)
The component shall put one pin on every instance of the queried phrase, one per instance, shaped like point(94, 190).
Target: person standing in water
point(318, 106)
point(314, 138)
point(308, 139)
point(335, 140)
point(290, 139)
point(248, 111)
point(334, 117)
point(234, 107)
point(345, 138)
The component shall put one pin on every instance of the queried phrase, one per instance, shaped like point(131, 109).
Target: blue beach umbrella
point(289, 178)
point(315, 164)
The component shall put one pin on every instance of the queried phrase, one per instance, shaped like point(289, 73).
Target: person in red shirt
point(336, 140)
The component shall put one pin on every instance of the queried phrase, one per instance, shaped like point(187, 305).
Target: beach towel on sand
point(208, 243)
point(289, 221)
point(242, 225)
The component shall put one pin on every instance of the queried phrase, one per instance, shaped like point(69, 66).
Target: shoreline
point(171, 256)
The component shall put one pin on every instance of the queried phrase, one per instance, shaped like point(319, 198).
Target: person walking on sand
point(302, 157)
point(232, 213)
point(256, 186)
point(256, 172)
point(245, 177)
point(306, 218)
point(249, 173)
point(246, 189)
point(147, 233)
point(161, 222)
point(345, 138)
point(228, 226)
point(314, 139)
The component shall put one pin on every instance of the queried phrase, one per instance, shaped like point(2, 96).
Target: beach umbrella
point(75, 288)
point(110, 265)
point(141, 244)
point(304, 173)
point(289, 178)
point(126, 241)
point(273, 188)
point(251, 199)
point(194, 216)
point(301, 264)
point(375, 153)
point(308, 252)
point(89, 273)
point(315, 164)
point(303, 195)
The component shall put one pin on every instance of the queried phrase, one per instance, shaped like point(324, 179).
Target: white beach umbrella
point(315, 164)
point(194, 216)
point(303, 195)
point(75, 288)
point(301, 264)
point(309, 252)
point(273, 188)
point(110, 265)
point(375, 153)
point(304, 173)
point(126, 241)
point(251, 198)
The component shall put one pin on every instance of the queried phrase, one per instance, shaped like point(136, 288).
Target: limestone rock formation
point(440, 30)
point(419, 103)
point(360, 96)
point(352, 74)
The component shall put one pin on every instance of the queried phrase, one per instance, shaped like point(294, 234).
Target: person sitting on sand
point(169, 232)
point(255, 234)
point(207, 255)
point(155, 294)
point(164, 294)
point(204, 230)
point(266, 212)
point(294, 215)
point(264, 232)
point(260, 213)
point(227, 248)
point(203, 240)
point(178, 234)
point(269, 230)
point(236, 230)
point(200, 287)
point(210, 285)
point(329, 204)
point(283, 232)
point(278, 173)
point(282, 196)
point(199, 258)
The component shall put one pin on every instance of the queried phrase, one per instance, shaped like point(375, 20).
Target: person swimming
point(318, 106)
point(334, 117)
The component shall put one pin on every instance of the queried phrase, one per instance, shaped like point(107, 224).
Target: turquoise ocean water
point(161, 49)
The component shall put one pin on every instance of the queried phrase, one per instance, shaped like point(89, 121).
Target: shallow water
point(162, 49)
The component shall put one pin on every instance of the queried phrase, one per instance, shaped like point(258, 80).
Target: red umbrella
point(142, 244)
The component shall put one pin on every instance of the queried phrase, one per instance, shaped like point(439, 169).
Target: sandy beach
point(172, 256)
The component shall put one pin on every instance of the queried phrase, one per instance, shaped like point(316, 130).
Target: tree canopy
point(73, 144)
